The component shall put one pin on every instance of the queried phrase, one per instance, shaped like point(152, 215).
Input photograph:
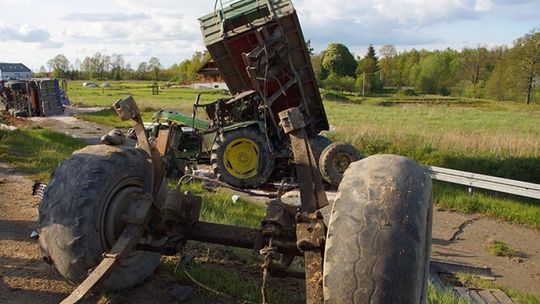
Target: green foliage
point(500, 248)
point(367, 71)
point(331, 95)
point(436, 72)
point(37, 152)
point(442, 297)
point(338, 60)
point(339, 83)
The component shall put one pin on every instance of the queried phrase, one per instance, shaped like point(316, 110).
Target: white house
point(14, 71)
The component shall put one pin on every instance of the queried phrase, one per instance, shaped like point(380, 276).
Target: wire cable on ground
point(188, 177)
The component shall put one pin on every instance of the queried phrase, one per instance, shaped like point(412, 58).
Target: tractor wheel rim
point(342, 162)
point(111, 223)
point(241, 158)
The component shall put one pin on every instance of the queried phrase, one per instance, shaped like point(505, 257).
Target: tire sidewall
point(71, 214)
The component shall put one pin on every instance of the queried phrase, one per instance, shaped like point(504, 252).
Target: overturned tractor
point(260, 50)
point(107, 215)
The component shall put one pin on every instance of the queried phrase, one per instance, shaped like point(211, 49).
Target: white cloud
point(483, 5)
point(112, 17)
point(22, 32)
point(169, 29)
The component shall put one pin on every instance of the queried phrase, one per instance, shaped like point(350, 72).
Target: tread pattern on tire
point(266, 162)
point(68, 223)
point(379, 235)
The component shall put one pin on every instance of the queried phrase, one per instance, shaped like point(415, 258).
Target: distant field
point(483, 136)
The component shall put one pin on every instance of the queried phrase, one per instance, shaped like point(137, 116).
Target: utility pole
point(364, 84)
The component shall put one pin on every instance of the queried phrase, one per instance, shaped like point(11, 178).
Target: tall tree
point(387, 64)
point(475, 65)
point(59, 65)
point(142, 68)
point(339, 60)
point(155, 65)
point(527, 55)
point(368, 69)
point(101, 63)
point(117, 64)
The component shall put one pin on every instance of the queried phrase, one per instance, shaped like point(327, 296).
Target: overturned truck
point(36, 97)
point(107, 215)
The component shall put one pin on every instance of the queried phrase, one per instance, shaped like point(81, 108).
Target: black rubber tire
point(266, 163)
point(379, 234)
point(72, 214)
point(318, 144)
point(330, 172)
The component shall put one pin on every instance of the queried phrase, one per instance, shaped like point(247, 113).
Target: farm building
point(14, 71)
point(209, 77)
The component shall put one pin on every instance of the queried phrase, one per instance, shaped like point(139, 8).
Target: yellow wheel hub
point(241, 158)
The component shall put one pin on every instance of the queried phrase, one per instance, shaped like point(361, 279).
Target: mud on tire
point(379, 233)
point(74, 217)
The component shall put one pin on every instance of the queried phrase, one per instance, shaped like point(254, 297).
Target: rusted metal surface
point(312, 192)
point(127, 109)
point(310, 227)
point(236, 236)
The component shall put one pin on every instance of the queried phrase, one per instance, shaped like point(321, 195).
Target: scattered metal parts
point(38, 189)
point(34, 235)
point(482, 296)
point(453, 268)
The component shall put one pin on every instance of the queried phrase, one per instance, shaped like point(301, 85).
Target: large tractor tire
point(335, 159)
point(80, 215)
point(242, 158)
point(379, 234)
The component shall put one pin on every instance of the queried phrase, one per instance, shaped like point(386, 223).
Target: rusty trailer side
point(248, 39)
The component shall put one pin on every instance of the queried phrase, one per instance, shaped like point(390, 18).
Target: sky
point(33, 31)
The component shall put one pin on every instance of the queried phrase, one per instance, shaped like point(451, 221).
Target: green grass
point(483, 136)
point(512, 209)
point(219, 208)
point(174, 98)
point(435, 296)
point(109, 117)
point(500, 248)
point(223, 280)
point(36, 152)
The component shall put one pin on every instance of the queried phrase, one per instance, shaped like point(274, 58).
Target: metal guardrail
point(474, 180)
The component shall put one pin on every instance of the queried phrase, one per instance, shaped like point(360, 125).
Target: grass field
point(494, 138)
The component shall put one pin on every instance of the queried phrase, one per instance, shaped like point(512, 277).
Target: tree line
point(502, 73)
point(104, 66)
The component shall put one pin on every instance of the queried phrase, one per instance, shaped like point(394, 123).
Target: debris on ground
point(115, 137)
